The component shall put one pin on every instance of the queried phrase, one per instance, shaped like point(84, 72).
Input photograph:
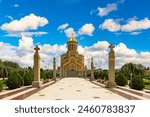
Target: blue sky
point(125, 22)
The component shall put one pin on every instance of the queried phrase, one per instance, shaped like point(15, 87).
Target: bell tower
point(72, 44)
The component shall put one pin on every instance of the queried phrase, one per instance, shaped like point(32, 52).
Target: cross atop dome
point(72, 39)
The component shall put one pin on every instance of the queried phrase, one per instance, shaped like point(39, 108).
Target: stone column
point(54, 69)
point(85, 72)
point(92, 70)
point(36, 83)
point(60, 73)
point(82, 73)
point(111, 82)
point(63, 73)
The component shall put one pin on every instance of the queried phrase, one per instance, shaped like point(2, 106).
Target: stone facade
point(72, 63)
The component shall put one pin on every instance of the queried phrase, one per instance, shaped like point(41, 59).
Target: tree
point(132, 69)
point(96, 75)
point(49, 74)
point(1, 86)
point(104, 74)
point(137, 83)
point(42, 73)
point(121, 80)
point(14, 81)
point(11, 64)
point(3, 72)
point(28, 78)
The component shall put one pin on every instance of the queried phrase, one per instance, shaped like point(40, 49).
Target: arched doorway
point(72, 73)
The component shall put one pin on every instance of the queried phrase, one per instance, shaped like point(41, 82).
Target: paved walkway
point(75, 88)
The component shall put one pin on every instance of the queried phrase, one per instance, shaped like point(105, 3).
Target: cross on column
point(111, 63)
point(36, 48)
point(111, 46)
point(36, 82)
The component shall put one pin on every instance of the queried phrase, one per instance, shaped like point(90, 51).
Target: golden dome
point(72, 39)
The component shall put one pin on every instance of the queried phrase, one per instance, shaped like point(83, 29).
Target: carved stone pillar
point(54, 69)
point(111, 82)
point(92, 70)
point(85, 72)
point(36, 83)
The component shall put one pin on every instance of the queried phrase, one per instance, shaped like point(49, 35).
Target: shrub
point(96, 75)
point(137, 83)
point(27, 79)
point(121, 80)
point(104, 75)
point(1, 86)
point(14, 81)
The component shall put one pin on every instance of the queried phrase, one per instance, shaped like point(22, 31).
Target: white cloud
point(12, 53)
point(87, 29)
point(145, 55)
point(98, 51)
point(25, 43)
point(111, 25)
point(10, 17)
point(69, 32)
point(63, 26)
point(46, 48)
point(109, 8)
point(16, 5)
point(23, 54)
point(7, 48)
point(30, 22)
point(122, 51)
point(134, 25)
point(135, 33)
point(28, 34)
point(102, 45)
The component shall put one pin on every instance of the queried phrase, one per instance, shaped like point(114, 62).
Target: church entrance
point(72, 73)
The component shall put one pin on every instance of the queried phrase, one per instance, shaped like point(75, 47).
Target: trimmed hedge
point(137, 83)
point(14, 81)
point(1, 86)
point(121, 80)
point(27, 79)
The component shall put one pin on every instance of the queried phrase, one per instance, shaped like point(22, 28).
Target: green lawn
point(4, 83)
point(147, 83)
